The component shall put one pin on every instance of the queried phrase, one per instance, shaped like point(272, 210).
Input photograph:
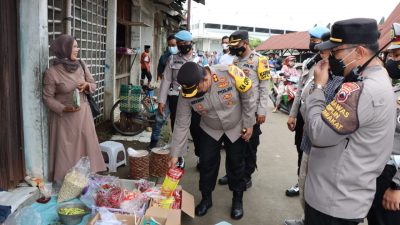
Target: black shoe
point(204, 205)
point(223, 180)
point(293, 191)
point(237, 205)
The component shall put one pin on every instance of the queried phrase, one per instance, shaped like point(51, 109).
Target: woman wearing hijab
point(72, 134)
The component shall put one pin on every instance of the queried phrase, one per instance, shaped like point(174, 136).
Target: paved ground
point(265, 203)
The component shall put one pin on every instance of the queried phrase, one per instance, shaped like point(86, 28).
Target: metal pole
point(189, 14)
point(68, 17)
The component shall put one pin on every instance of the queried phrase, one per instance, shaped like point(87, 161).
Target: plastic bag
point(75, 180)
point(25, 216)
point(110, 195)
point(95, 183)
point(107, 218)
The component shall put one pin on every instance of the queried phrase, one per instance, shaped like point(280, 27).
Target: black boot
point(204, 205)
point(237, 205)
point(223, 180)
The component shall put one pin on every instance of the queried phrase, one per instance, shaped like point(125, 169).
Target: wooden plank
point(11, 152)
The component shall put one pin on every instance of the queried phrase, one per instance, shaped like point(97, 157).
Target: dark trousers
point(298, 137)
point(210, 157)
point(251, 152)
point(377, 215)
point(145, 74)
point(195, 131)
point(172, 103)
point(315, 217)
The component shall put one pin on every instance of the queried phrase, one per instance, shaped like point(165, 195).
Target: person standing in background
point(145, 66)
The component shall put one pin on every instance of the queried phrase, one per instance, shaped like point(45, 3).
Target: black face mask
point(184, 49)
point(237, 51)
point(311, 46)
point(393, 68)
point(336, 66)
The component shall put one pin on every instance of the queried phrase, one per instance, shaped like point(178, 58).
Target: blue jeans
point(160, 121)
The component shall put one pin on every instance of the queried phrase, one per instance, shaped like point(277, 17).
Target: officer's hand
point(291, 123)
point(391, 200)
point(161, 108)
point(246, 136)
point(172, 162)
point(260, 119)
point(321, 73)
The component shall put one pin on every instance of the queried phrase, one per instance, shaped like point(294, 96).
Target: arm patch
point(341, 114)
point(263, 70)
point(242, 82)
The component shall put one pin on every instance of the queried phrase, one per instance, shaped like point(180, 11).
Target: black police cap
point(189, 76)
point(352, 31)
point(238, 36)
point(146, 46)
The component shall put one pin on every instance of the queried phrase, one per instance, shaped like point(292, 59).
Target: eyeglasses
point(334, 51)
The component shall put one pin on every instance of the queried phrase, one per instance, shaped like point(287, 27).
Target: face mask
point(237, 51)
point(393, 68)
point(225, 46)
point(337, 66)
point(184, 49)
point(312, 47)
point(173, 50)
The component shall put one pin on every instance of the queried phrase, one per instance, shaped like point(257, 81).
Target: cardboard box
point(128, 219)
point(171, 216)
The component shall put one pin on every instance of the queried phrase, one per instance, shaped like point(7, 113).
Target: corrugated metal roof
point(394, 17)
point(300, 40)
point(297, 40)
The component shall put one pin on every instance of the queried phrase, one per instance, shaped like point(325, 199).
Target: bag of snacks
point(110, 195)
point(171, 181)
point(75, 180)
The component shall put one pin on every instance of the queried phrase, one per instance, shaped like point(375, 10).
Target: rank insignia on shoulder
point(263, 70)
point(215, 77)
point(341, 114)
point(242, 82)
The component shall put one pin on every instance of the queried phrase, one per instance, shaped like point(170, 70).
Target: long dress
point(72, 135)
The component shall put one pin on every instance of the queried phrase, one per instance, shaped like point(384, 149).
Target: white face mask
point(173, 50)
point(225, 46)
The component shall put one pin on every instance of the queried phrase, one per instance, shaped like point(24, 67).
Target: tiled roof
point(297, 40)
point(394, 17)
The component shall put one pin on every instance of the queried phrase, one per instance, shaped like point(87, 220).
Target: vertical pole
point(189, 13)
point(68, 17)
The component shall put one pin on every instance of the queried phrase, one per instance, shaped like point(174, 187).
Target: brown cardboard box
point(128, 219)
point(171, 216)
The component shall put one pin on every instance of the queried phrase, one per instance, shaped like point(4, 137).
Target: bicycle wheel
point(128, 124)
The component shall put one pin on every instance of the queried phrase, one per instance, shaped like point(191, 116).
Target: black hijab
point(62, 48)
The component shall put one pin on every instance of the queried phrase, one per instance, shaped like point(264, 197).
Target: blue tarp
point(48, 211)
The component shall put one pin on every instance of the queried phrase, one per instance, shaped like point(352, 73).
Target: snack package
point(171, 181)
point(75, 180)
point(110, 195)
point(95, 183)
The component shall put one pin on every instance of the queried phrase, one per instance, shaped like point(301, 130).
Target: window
point(229, 27)
point(290, 31)
point(212, 25)
point(251, 29)
point(277, 31)
point(262, 30)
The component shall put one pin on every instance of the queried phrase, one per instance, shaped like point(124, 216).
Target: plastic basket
point(130, 98)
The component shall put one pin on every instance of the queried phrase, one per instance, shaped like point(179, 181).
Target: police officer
point(256, 67)
point(349, 134)
point(385, 208)
point(169, 87)
point(224, 98)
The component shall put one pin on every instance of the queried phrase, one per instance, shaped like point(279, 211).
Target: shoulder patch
point(341, 114)
point(242, 82)
point(263, 70)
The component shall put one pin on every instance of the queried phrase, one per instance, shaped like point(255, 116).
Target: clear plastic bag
point(25, 216)
point(75, 180)
point(95, 183)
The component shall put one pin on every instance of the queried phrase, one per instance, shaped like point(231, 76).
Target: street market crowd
point(345, 115)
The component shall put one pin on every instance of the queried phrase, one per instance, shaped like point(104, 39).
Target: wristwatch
point(395, 186)
point(316, 86)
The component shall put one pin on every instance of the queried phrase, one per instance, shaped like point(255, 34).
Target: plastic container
point(72, 219)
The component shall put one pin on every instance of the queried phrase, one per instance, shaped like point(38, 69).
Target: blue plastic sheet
point(48, 211)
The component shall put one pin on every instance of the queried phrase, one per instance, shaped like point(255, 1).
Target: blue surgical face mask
point(173, 50)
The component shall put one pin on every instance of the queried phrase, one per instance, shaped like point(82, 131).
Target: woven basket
point(139, 165)
point(159, 162)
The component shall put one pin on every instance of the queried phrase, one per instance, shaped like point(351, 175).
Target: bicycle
point(134, 111)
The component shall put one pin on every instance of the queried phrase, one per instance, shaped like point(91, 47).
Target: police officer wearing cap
point(169, 87)
point(256, 67)
point(223, 96)
point(349, 133)
point(385, 209)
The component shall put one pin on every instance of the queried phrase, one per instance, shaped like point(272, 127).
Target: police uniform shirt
point(223, 110)
point(249, 65)
point(349, 137)
point(168, 81)
point(396, 142)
